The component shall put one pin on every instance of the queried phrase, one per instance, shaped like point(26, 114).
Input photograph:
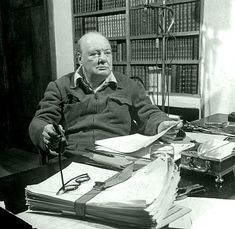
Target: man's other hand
point(170, 135)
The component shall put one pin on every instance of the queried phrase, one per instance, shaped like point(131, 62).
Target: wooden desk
point(12, 187)
point(13, 194)
point(216, 120)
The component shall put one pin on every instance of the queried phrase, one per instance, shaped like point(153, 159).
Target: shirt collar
point(80, 75)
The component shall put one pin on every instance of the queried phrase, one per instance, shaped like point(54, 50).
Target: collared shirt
point(80, 75)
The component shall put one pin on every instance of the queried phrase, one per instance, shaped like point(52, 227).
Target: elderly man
point(95, 103)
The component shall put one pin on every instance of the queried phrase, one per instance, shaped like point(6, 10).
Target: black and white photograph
point(117, 114)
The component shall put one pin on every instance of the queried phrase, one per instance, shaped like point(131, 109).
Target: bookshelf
point(146, 44)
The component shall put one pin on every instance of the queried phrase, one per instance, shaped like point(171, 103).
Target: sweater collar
point(79, 78)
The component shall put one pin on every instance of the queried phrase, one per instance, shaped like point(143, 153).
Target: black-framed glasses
point(68, 186)
point(73, 183)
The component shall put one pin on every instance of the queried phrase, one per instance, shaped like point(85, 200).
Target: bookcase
point(155, 40)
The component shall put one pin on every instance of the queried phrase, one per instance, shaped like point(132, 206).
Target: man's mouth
point(102, 68)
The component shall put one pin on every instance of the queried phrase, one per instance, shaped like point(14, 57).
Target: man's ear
point(79, 58)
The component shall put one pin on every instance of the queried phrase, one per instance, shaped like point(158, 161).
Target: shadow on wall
point(212, 102)
point(216, 19)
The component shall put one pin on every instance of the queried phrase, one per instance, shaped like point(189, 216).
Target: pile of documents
point(145, 199)
point(129, 143)
point(138, 145)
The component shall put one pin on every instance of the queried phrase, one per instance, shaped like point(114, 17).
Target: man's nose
point(102, 57)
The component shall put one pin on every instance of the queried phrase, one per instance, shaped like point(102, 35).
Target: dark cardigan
point(88, 116)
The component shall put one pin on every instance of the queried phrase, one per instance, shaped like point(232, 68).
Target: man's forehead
point(95, 41)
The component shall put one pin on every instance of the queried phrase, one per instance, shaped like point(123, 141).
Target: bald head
point(89, 38)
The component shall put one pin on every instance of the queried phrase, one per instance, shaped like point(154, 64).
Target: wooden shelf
point(116, 38)
point(150, 62)
point(154, 36)
point(102, 12)
point(120, 63)
point(183, 42)
point(168, 3)
point(178, 100)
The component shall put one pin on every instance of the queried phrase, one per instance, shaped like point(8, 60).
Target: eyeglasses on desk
point(76, 182)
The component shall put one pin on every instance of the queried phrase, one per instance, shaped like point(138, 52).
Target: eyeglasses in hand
point(75, 184)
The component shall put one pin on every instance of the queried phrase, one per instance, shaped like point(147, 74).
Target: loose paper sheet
point(144, 152)
point(201, 137)
point(206, 213)
point(216, 149)
point(129, 143)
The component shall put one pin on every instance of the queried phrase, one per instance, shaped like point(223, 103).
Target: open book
point(146, 199)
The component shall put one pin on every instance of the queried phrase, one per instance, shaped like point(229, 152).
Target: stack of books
point(144, 199)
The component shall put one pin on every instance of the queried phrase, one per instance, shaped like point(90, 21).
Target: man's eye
point(108, 52)
point(94, 54)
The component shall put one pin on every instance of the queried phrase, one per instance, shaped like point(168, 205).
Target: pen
point(99, 152)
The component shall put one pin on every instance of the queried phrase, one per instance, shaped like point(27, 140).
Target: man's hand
point(50, 137)
point(170, 135)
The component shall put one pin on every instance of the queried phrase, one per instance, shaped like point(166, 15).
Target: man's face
point(96, 56)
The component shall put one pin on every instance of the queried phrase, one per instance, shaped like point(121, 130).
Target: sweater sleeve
point(149, 116)
point(49, 111)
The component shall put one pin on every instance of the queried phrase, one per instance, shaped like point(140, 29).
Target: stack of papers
point(146, 199)
point(130, 143)
point(137, 145)
point(216, 149)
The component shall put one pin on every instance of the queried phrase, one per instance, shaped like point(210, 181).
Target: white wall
point(63, 37)
point(218, 61)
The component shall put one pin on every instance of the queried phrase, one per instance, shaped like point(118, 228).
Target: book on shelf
point(144, 21)
point(182, 48)
point(145, 198)
point(178, 78)
point(155, 79)
point(137, 43)
point(83, 6)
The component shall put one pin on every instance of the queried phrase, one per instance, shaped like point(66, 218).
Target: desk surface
point(12, 187)
point(13, 194)
point(218, 120)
